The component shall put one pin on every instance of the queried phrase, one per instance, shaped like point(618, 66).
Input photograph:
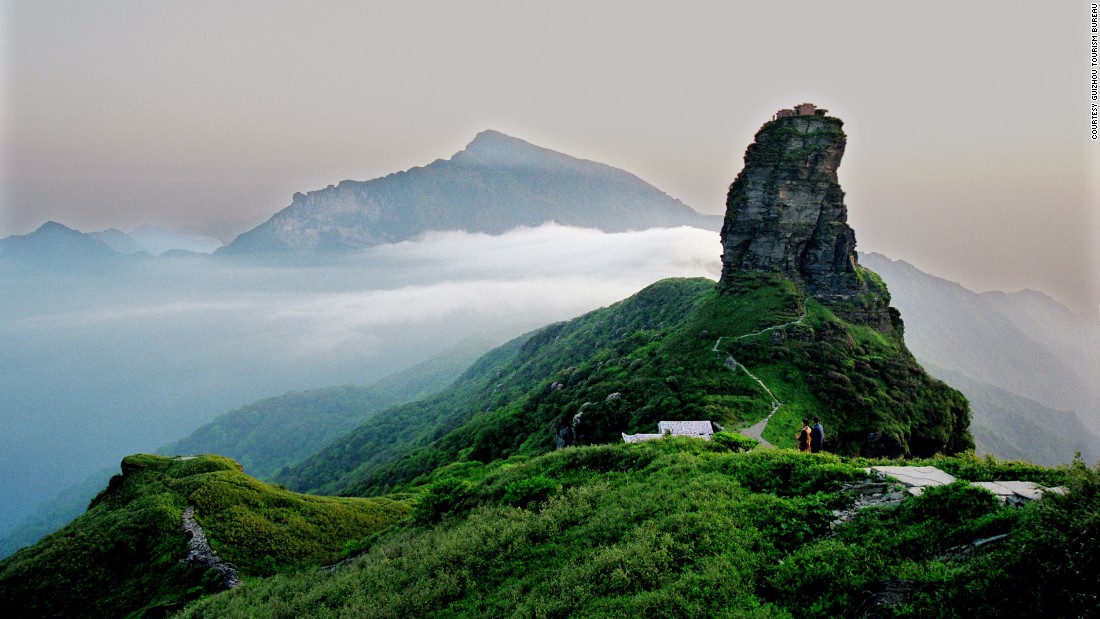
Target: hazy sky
point(969, 149)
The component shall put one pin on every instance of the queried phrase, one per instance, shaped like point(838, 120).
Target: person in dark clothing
point(817, 436)
point(803, 436)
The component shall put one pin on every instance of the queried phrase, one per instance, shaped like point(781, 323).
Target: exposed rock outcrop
point(202, 554)
point(785, 212)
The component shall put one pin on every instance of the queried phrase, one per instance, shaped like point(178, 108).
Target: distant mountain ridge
point(497, 183)
point(55, 244)
point(1022, 343)
point(155, 241)
point(280, 431)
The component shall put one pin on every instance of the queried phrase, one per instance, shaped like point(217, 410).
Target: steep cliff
point(785, 212)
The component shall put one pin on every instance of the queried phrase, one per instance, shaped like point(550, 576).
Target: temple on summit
point(802, 109)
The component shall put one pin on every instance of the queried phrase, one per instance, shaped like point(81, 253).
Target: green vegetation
point(684, 528)
point(502, 523)
point(859, 381)
point(271, 434)
point(657, 356)
point(124, 555)
point(488, 413)
point(734, 442)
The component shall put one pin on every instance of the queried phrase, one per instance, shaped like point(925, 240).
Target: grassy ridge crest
point(124, 555)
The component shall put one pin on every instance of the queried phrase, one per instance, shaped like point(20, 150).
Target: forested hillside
point(657, 356)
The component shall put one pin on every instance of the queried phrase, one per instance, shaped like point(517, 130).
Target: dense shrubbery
point(440, 499)
point(1043, 568)
point(531, 491)
point(683, 528)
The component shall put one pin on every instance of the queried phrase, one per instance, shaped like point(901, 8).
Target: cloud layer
point(96, 369)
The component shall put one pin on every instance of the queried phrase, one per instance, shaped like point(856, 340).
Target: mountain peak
point(785, 213)
point(52, 227)
point(785, 210)
point(497, 183)
point(497, 149)
point(56, 244)
point(492, 136)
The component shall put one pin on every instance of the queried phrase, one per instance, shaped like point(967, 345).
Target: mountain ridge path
point(756, 430)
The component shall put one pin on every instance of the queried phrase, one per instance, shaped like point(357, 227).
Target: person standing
point(803, 436)
point(817, 436)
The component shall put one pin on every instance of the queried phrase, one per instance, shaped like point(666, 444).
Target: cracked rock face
point(785, 211)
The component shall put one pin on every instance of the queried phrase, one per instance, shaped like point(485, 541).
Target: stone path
point(1014, 491)
point(917, 478)
point(757, 429)
point(914, 478)
point(877, 492)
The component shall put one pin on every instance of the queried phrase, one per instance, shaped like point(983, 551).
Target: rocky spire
point(785, 211)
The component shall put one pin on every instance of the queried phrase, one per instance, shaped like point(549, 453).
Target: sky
point(969, 144)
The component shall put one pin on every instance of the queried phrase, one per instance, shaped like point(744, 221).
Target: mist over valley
point(127, 356)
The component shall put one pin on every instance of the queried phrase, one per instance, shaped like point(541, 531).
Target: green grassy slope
point(678, 528)
point(657, 356)
point(123, 556)
point(394, 447)
point(277, 432)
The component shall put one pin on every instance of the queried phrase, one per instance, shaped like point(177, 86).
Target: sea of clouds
point(96, 367)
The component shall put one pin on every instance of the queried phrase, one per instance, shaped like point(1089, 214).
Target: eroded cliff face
point(785, 212)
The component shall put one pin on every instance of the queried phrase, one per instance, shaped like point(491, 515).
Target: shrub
point(820, 580)
point(949, 505)
point(534, 489)
point(734, 442)
point(441, 498)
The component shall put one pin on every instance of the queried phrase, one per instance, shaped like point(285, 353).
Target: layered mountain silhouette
point(1019, 355)
point(56, 246)
point(495, 184)
point(59, 246)
point(156, 241)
